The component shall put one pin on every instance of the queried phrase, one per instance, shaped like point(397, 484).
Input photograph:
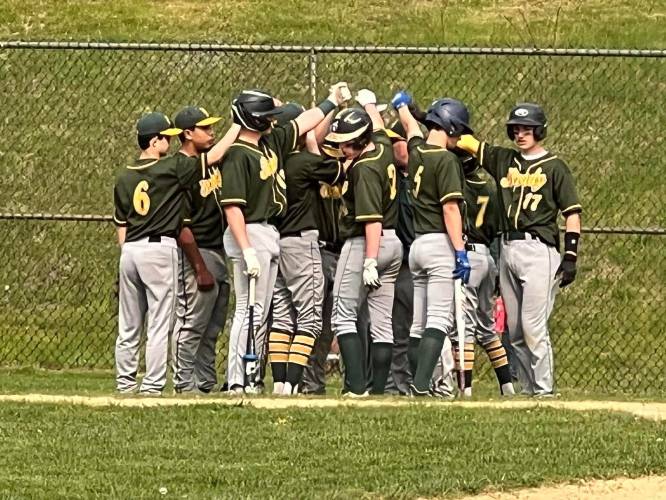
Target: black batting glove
point(567, 271)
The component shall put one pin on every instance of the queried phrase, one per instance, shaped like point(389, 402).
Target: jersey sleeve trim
point(456, 195)
point(118, 222)
point(573, 209)
point(371, 217)
point(296, 134)
point(233, 201)
point(434, 149)
point(372, 158)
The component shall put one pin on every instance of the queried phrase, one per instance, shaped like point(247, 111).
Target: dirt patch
point(652, 411)
point(653, 487)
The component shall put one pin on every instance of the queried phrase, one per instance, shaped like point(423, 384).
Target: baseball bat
point(459, 299)
point(250, 358)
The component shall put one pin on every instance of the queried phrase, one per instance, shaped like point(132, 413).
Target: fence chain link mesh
point(68, 124)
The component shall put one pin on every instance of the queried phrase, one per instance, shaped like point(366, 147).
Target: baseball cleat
point(415, 393)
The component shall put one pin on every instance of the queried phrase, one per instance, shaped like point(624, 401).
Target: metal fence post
point(313, 76)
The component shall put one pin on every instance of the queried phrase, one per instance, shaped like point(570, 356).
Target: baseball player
point(299, 288)
point(482, 225)
point(403, 303)
point(148, 208)
point(438, 253)
point(202, 309)
point(535, 185)
point(372, 253)
point(253, 194)
point(327, 213)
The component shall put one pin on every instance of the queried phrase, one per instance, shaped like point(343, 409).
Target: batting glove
point(365, 97)
point(339, 93)
point(567, 271)
point(370, 274)
point(253, 268)
point(400, 99)
point(463, 269)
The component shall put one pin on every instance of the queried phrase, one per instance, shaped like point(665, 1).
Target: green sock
point(381, 364)
point(430, 349)
point(413, 354)
point(351, 350)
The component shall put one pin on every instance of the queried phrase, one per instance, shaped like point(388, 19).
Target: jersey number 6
point(141, 200)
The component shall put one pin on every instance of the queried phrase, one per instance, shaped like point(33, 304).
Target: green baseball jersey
point(329, 209)
point(253, 176)
point(303, 172)
point(149, 196)
point(371, 189)
point(532, 191)
point(204, 215)
point(482, 207)
point(436, 177)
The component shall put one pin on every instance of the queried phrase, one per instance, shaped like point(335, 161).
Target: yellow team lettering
point(514, 178)
point(213, 182)
point(326, 191)
point(268, 165)
point(141, 200)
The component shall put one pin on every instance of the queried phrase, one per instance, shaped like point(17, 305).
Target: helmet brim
point(524, 121)
point(271, 112)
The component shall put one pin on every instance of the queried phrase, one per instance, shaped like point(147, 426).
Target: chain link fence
point(68, 121)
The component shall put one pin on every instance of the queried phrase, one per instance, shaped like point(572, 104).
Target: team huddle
point(393, 238)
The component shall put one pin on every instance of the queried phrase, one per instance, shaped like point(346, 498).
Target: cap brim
point(171, 131)
point(332, 151)
point(208, 121)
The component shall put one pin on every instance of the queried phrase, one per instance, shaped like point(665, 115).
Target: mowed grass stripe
point(243, 452)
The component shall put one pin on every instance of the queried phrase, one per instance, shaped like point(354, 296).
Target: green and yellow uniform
point(253, 177)
point(371, 189)
point(149, 195)
point(436, 177)
point(481, 207)
point(304, 172)
point(533, 191)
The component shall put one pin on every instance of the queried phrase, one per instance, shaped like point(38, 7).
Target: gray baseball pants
point(529, 287)
point(432, 261)
point(403, 314)
point(314, 375)
point(200, 317)
point(265, 239)
point(478, 305)
point(349, 291)
point(299, 288)
point(147, 286)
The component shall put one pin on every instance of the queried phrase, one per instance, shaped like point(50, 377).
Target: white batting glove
point(251, 262)
point(339, 93)
point(370, 274)
point(365, 97)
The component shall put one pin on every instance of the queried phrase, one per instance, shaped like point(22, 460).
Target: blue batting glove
point(400, 99)
point(463, 269)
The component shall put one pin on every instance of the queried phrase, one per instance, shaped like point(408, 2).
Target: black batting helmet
point(352, 125)
point(530, 115)
point(253, 110)
point(450, 115)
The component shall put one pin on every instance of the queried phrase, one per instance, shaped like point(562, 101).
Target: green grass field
point(241, 452)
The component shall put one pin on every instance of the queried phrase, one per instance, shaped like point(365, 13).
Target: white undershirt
point(535, 156)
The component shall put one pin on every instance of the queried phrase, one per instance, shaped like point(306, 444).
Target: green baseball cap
point(192, 116)
point(156, 123)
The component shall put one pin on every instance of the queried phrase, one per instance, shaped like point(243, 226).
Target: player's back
point(149, 195)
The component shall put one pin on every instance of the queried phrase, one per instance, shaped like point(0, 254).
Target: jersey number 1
point(141, 200)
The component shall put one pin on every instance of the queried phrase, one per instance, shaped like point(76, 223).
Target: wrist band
point(571, 245)
point(327, 106)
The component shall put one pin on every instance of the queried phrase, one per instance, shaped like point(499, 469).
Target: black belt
point(521, 235)
point(154, 239)
point(473, 247)
point(331, 247)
